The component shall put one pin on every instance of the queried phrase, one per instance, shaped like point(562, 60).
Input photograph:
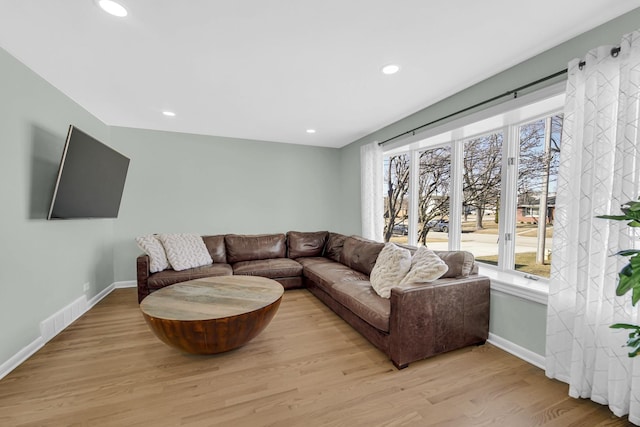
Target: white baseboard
point(126, 284)
point(19, 358)
point(56, 323)
point(96, 299)
point(527, 355)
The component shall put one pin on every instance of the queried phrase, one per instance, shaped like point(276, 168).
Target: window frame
point(508, 117)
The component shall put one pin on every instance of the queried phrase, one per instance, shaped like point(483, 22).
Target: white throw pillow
point(392, 265)
point(157, 256)
point(185, 251)
point(426, 266)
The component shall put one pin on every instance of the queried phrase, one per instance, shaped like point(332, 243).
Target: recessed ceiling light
point(390, 69)
point(169, 113)
point(311, 131)
point(113, 8)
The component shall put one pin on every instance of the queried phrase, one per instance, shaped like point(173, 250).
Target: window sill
point(517, 285)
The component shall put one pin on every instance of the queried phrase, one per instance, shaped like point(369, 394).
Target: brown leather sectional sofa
point(418, 321)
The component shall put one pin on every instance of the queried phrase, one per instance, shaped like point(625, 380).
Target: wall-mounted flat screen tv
point(90, 179)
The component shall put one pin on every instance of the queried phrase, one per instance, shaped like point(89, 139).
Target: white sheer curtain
point(371, 191)
point(599, 171)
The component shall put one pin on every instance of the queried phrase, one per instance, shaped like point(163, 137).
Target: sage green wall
point(183, 183)
point(44, 264)
point(213, 185)
point(176, 183)
point(531, 316)
point(521, 321)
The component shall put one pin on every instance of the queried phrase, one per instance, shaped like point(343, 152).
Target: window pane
point(433, 198)
point(481, 196)
point(537, 181)
point(396, 203)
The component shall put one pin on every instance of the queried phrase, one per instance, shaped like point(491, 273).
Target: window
point(396, 205)
point(433, 197)
point(481, 184)
point(538, 159)
point(485, 183)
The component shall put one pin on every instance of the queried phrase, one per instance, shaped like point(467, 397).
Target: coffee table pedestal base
point(215, 335)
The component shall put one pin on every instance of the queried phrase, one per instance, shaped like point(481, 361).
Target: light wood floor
point(307, 368)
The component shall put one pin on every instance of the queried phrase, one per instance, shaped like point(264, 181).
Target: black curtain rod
point(614, 52)
point(486, 101)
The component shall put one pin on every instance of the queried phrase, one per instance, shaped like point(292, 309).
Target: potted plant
point(629, 276)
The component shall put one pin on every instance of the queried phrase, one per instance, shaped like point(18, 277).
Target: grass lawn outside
point(525, 262)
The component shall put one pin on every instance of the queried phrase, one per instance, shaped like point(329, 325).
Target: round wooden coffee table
point(214, 314)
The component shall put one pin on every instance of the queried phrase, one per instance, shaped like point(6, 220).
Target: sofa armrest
point(432, 318)
point(142, 271)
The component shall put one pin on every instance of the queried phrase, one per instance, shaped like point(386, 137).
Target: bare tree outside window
point(482, 176)
point(481, 186)
point(433, 193)
point(396, 179)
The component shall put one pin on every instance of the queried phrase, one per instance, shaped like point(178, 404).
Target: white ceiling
point(269, 70)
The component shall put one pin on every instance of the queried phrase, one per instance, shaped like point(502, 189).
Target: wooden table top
point(212, 298)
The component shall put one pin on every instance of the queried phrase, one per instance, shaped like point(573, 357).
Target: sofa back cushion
point(460, 263)
point(334, 245)
point(249, 248)
point(215, 246)
point(360, 254)
point(306, 244)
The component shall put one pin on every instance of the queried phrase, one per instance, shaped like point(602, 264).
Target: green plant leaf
point(628, 252)
point(614, 217)
point(627, 283)
point(629, 276)
point(624, 326)
point(633, 342)
point(624, 280)
point(635, 295)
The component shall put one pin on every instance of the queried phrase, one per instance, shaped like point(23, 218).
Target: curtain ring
point(615, 52)
point(581, 65)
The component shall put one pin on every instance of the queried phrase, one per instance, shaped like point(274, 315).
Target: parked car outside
point(400, 230)
point(440, 225)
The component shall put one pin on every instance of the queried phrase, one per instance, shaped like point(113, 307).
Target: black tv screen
point(90, 179)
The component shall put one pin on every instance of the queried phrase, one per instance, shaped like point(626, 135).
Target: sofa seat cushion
point(308, 261)
point(169, 277)
point(360, 298)
point(269, 268)
point(324, 272)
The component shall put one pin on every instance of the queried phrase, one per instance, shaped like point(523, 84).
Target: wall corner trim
point(527, 355)
point(22, 355)
point(125, 284)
